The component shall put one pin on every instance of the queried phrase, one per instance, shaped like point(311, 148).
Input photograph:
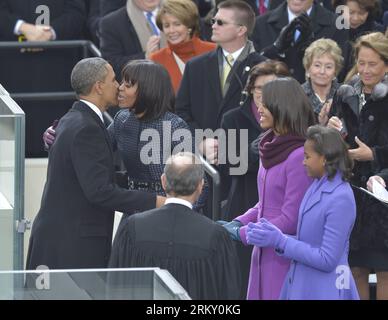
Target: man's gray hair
point(86, 73)
point(184, 171)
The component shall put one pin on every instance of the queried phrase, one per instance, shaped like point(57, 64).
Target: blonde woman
point(179, 21)
point(322, 61)
point(360, 112)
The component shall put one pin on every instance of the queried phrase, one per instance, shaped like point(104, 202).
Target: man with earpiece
point(212, 83)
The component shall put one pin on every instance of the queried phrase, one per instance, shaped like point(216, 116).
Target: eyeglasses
point(222, 22)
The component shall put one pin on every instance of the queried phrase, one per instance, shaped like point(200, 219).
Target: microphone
point(244, 97)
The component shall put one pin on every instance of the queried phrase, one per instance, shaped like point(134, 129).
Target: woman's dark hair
point(266, 68)
point(371, 6)
point(155, 94)
point(290, 108)
point(329, 143)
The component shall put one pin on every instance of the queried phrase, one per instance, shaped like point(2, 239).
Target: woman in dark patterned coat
point(146, 131)
point(360, 110)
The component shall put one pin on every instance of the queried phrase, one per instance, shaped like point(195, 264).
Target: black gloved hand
point(286, 36)
point(305, 26)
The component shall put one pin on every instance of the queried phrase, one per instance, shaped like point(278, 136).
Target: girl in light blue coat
point(319, 252)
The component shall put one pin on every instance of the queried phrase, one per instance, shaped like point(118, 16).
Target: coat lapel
point(279, 17)
point(316, 190)
point(213, 74)
point(80, 106)
point(320, 19)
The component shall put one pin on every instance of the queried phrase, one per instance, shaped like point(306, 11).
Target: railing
point(12, 132)
point(216, 197)
point(85, 44)
point(87, 47)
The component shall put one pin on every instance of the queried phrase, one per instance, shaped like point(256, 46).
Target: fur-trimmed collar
point(379, 92)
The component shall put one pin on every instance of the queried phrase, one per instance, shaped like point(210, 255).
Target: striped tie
point(155, 30)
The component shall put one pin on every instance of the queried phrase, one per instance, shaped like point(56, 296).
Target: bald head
point(183, 173)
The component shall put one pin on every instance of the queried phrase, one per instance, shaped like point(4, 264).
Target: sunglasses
point(221, 22)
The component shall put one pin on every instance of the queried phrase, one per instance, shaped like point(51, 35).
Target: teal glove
point(233, 227)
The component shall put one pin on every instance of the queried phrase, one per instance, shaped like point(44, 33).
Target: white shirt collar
point(292, 16)
point(94, 108)
point(235, 54)
point(154, 13)
point(179, 201)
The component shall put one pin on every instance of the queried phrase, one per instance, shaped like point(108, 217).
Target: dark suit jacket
point(195, 250)
point(273, 4)
point(73, 228)
point(199, 99)
point(269, 25)
point(108, 6)
point(384, 174)
point(93, 20)
point(118, 40)
point(243, 192)
point(66, 17)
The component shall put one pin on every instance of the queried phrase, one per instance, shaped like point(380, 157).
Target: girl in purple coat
point(319, 252)
point(282, 181)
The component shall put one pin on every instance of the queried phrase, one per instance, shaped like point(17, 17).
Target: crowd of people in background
point(312, 96)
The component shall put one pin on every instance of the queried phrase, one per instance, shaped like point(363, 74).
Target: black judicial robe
point(195, 250)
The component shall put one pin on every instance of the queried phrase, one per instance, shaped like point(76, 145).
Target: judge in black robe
point(195, 250)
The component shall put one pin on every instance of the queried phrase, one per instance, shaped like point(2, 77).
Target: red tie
point(262, 8)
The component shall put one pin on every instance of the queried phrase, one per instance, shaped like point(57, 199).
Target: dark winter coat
point(370, 125)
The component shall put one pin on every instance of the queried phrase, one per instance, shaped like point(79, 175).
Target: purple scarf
point(275, 149)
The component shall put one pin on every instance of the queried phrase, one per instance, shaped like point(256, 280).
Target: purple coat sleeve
point(249, 216)
point(338, 225)
point(296, 185)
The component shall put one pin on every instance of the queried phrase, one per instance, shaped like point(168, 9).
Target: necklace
point(362, 100)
